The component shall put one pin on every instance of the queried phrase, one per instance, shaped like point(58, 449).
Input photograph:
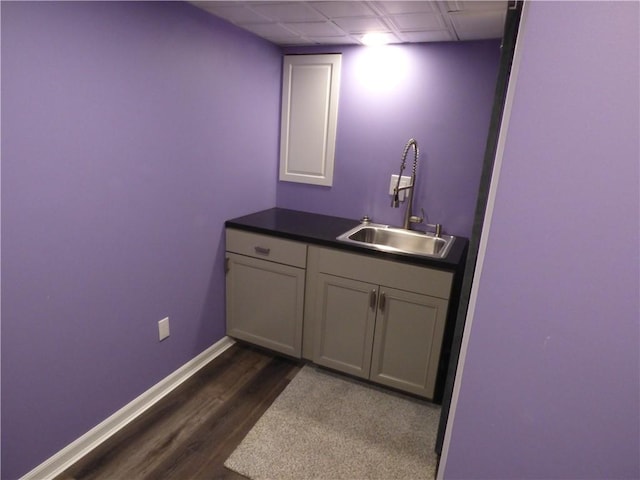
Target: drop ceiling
point(290, 23)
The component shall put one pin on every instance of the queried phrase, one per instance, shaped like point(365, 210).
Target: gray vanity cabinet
point(265, 281)
point(376, 319)
point(373, 318)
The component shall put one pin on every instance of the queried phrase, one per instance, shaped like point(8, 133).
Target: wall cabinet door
point(310, 90)
point(408, 340)
point(265, 303)
point(344, 324)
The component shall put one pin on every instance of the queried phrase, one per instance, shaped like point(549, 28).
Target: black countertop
point(316, 229)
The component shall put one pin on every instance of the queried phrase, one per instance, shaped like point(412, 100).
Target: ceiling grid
point(290, 23)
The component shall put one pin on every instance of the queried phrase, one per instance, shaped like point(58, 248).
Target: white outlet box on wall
point(163, 328)
point(405, 181)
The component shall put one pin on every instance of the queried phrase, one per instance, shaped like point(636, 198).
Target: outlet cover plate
point(163, 328)
point(405, 181)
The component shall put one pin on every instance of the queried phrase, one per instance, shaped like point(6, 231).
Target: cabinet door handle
point(262, 250)
point(226, 265)
point(372, 299)
point(383, 301)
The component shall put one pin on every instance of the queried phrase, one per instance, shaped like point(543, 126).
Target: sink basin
point(386, 238)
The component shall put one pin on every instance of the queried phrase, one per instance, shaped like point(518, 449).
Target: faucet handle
point(437, 228)
point(395, 201)
point(416, 219)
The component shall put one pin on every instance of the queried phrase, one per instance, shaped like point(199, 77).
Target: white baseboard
point(73, 452)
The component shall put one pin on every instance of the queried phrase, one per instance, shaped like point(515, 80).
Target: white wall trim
point(482, 248)
point(73, 452)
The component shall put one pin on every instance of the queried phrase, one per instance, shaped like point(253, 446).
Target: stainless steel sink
point(386, 238)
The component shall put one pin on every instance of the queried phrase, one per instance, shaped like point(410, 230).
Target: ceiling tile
point(339, 40)
point(418, 21)
point(270, 30)
point(343, 9)
point(478, 25)
point(315, 29)
point(388, 37)
point(400, 7)
point(361, 25)
point(288, 12)
point(431, 36)
point(484, 5)
point(233, 13)
point(292, 41)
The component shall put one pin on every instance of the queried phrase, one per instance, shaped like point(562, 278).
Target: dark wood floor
point(191, 432)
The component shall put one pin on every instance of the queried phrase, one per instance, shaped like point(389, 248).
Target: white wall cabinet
point(309, 116)
point(389, 329)
point(265, 281)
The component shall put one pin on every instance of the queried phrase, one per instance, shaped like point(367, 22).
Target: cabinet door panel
point(408, 340)
point(345, 318)
point(265, 303)
point(310, 91)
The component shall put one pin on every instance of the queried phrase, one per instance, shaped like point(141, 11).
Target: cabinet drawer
point(267, 247)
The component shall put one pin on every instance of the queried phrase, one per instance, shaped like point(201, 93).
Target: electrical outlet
point(405, 181)
point(163, 328)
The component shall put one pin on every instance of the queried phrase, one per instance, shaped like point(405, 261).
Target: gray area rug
point(324, 426)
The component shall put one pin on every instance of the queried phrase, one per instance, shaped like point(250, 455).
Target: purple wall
point(442, 96)
point(551, 385)
point(130, 132)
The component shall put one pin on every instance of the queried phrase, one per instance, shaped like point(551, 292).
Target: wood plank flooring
point(191, 432)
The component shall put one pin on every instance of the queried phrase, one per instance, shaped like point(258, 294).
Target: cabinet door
point(310, 90)
point(344, 323)
point(265, 303)
point(408, 340)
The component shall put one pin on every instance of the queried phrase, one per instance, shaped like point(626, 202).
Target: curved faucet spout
point(408, 218)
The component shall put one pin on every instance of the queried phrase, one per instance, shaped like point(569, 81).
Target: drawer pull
point(383, 301)
point(372, 299)
point(262, 250)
